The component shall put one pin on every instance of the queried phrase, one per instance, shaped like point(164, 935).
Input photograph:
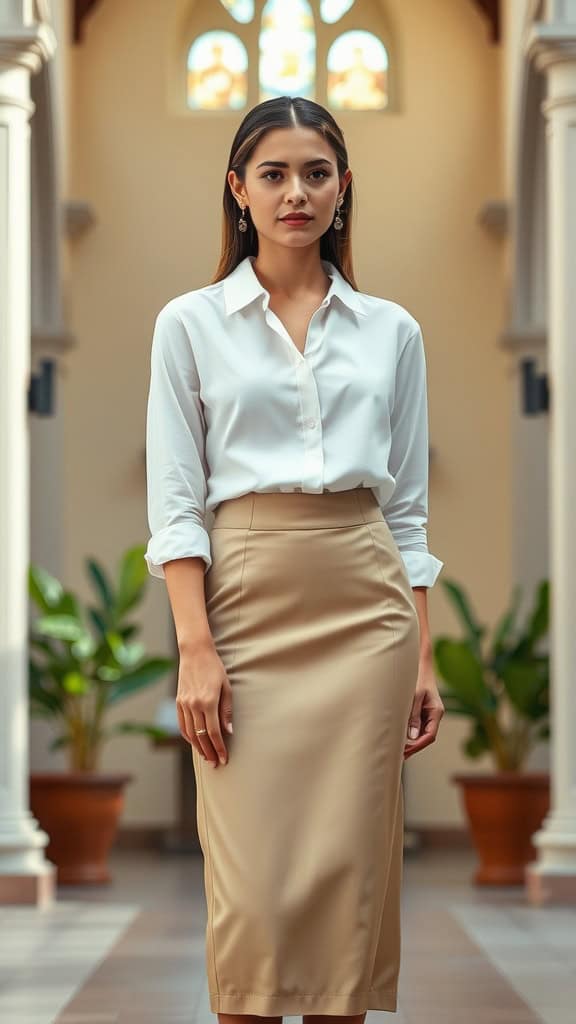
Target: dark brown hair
point(283, 112)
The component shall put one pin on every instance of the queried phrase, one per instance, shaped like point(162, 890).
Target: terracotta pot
point(80, 813)
point(504, 810)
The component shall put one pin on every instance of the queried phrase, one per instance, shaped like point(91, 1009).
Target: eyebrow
point(282, 163)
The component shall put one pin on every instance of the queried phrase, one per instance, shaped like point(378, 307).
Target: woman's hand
point(426, 713)
point(204, 701)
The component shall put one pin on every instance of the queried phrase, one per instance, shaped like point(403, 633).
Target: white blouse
point(233, 407)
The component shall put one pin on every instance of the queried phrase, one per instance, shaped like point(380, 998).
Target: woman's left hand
point(426, 713)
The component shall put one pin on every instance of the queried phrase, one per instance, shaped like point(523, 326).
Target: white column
point(25, 874)
point(552, 876)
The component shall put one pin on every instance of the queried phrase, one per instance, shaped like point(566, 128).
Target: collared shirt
point(234, 407)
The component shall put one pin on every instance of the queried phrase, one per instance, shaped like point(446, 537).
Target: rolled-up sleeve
point(176, 469)
point(406, 512)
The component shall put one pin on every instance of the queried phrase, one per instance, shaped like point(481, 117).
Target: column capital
point(547, 44)
point(27, 46)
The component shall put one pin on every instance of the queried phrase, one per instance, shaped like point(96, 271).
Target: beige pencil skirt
point(301, 831)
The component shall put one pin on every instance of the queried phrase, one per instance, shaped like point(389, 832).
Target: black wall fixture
point(41, 390)
point(535, 392)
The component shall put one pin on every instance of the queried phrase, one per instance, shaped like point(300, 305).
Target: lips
point(296, 216)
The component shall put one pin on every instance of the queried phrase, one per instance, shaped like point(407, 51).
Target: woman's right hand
point(204, 701)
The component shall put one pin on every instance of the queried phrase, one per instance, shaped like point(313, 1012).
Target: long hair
point(283, 112)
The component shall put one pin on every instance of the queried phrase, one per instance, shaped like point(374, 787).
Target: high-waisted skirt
point(314, 619)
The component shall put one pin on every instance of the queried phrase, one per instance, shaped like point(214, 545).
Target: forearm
point(185, 585)
point(421, 601)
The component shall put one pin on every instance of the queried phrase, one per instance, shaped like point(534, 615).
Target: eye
point(318, 170)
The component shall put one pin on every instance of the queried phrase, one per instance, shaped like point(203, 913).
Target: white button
point(310, 423)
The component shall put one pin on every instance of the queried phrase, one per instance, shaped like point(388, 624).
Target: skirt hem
point(339, 1004)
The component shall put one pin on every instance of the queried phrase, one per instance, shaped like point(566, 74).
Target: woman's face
point(291, 169)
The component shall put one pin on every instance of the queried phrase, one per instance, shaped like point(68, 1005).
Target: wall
point(155, 178)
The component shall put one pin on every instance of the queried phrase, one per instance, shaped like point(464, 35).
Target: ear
point(236, 186)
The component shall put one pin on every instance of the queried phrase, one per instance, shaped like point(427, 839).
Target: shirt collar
point(242, 286)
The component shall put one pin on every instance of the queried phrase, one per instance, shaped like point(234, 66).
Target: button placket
point(313, 461)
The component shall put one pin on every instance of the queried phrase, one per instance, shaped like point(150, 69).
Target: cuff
point(422, 568)
point(180, 540)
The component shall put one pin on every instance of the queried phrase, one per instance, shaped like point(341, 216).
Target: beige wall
point(155, 180)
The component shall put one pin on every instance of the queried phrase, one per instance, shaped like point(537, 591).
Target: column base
point(545, 885)
point(37, 889)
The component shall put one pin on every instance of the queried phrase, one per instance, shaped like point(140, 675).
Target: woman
point(292, 408)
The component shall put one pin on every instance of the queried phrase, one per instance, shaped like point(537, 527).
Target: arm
point(406, 512)
point(179, 548)
point(176, 466)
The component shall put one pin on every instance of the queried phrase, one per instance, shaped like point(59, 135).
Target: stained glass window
point(241, 10)
point(217, 72)
point(333, 10)
point(357, 72)
point(287, 49)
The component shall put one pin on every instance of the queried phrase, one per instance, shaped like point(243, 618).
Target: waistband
point(294, 510)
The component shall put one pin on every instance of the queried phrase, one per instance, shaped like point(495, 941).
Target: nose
point(296, 194)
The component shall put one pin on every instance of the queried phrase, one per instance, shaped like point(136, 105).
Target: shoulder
point(392, 316)
point(180, 307)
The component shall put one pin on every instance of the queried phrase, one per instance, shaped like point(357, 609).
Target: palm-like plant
point(84, 660)
point(503, 689)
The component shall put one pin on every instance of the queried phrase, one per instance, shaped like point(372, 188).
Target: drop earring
point(242, 223)
point(339, 223)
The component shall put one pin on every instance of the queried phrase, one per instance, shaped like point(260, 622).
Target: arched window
point(333, 10)
point(217, 77)
point(357, 72)
point(287, 49)
point(241, 10)
point(302, 50)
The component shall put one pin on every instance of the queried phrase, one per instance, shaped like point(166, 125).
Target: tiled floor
point(133, 953)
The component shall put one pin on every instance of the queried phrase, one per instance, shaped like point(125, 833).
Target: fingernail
point(413, 732)
point(229, 727)
point(222, 760)
point(212, 764)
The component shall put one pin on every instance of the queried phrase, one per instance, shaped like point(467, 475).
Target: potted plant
point(83, 661)
point(502, 685)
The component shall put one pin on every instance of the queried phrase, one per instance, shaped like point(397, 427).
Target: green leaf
point(61, 627)
point(539, 619)
point(101, 583)
point(43, 699)
point(68, 605)
point(133, 577)
point(141, 677)
point(84, 648)
point(478, 743)
point(461, 603)
point(98, 620)
point(461, 669)
point(506, 624)
point(76, 683)
point(127, 655)
point(109, 673)
point(452, 704)
point(526, 685)
point(59, 742)
point(45, 589)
